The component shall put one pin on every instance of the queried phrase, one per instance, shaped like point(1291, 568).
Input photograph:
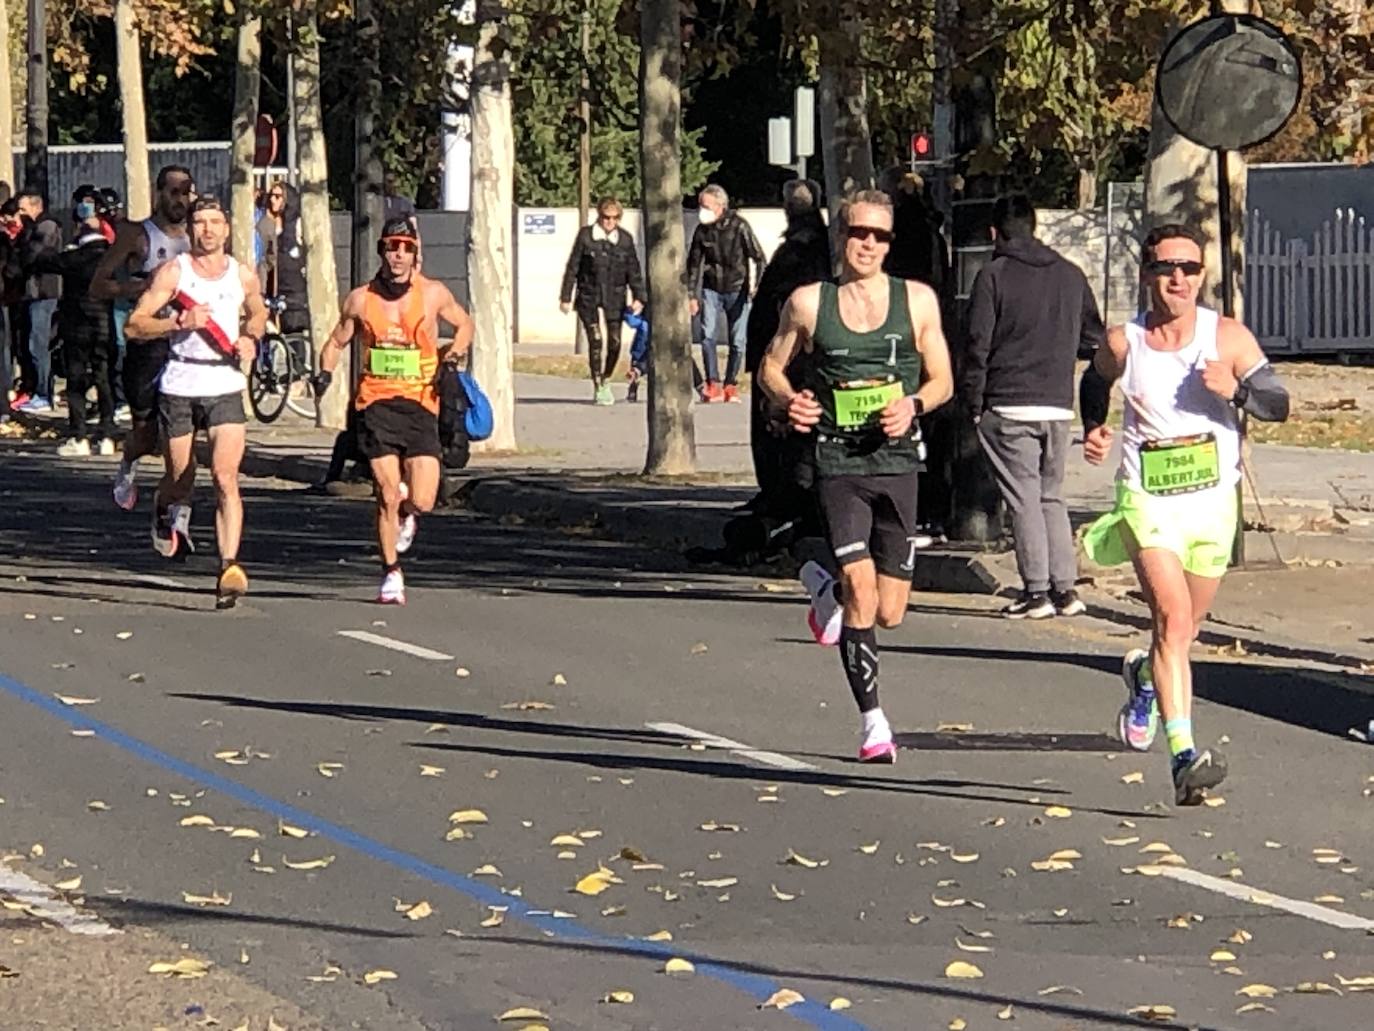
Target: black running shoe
point(1068, 603)
point(1030, 606)
point(1194, 776)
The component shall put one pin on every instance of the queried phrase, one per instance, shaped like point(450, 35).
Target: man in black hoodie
point(1031, 315)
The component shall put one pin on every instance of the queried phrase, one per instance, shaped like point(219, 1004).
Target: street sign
point(538, 223)
point(264, 142)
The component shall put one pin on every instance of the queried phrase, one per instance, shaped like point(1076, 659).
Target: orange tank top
point(400, 355)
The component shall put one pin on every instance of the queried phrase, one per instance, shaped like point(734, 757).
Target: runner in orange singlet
point(398, 398)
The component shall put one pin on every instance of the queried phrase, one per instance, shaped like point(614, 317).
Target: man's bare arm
point(343, 332)
point(463, 327)
point(129, 244)
point(1244, 376)
point(256, 324)
point(144, 322)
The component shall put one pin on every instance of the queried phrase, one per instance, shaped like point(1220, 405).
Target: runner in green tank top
point(879, 362)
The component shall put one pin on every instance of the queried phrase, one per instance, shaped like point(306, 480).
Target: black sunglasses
point(396, 244)
point(1166, 268)
point(865, 232)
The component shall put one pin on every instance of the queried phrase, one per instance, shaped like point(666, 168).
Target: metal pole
point(1228, 308)
point(584, 168)
point(36, 136)
point(291, 101)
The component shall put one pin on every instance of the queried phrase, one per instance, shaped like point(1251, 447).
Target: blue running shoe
point(1138, 721)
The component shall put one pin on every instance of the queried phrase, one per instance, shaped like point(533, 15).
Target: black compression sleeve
point(1262, 394)
point(1094, 395)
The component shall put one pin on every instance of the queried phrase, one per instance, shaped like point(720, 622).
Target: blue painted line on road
point(756, 986)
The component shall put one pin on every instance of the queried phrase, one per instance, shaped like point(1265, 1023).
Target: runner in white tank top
point(1185, 374)
point(208, 294)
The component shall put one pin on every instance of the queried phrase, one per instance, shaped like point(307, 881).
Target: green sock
point(1146, 677)
point(1180, 735)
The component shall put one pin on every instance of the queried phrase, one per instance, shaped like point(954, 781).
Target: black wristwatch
point(918, 405)
point(1241, 395)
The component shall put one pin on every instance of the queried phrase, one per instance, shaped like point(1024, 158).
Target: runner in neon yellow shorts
point(1186, 373)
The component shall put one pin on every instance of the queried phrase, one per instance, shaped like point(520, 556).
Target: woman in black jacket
point(602, 266)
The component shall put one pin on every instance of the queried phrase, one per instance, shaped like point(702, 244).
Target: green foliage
point(545, 50)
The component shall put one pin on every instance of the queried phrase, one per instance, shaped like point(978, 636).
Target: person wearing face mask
point(721, 285)
point(85, 326)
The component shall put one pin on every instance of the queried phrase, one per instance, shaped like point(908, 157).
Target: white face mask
point(706, 216)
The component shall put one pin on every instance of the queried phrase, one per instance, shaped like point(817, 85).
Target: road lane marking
point(367, 637)
point(1260, 897)
point(756, 986)
point(44, 904)
point(782, 762)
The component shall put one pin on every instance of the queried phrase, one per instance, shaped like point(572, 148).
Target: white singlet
point(196, 368)
point(1166, 398)
point(162, 246)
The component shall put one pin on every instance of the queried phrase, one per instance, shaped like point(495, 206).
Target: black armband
point(1094, 396)
point(1262, 394)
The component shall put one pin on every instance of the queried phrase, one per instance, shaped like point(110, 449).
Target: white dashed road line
point(42, 903)
point(419, 651)
point(783, 762)
point(1260, 897)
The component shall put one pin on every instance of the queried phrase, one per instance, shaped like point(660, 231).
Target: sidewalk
point(578, 467)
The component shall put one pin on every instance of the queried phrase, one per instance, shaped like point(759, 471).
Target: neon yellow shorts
point(1199, 528)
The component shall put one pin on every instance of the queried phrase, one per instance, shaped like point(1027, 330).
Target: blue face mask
point(85, 209)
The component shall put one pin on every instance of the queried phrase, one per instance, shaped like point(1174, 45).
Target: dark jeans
point(90, 359)
point(734, 309)
point(601, 369)
point(40, 345)
point(6, 360)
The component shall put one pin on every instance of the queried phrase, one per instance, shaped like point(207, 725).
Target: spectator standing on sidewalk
point(87, 328)
point(721, 285)
point(11, 300)
point(603, 265)
point(1032, 314)
point(802, 257)
point(40, 238)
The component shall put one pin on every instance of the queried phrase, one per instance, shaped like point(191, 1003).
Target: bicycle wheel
point(269, 379)
point(300, 395)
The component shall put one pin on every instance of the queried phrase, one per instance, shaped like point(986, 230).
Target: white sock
point(876, 727)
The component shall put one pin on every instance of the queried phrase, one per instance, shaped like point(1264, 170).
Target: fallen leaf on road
point(1253, 1007)
point(659, 936)
point(633, 855)
point(457, 834)
point(1005, 1014)
point(329, 769)
point(1153, 1012)
point(868, 850)
point(462, 671)
point(781, 896)
point(700, 648)
point(377, 976)
point(711, 826)
point(73, 884)
point(1058, 812)
point(97, 806)
point(1214, 801)
point(528, 706)
point(619, 995)
point(1183, 922)
point(287, 831)
point(1240, 937)
point(1057, 989)
point(309, 864)
point(964, 857)
point(124, 635)
point(954, 728)
point(958, 1024)
point(431, 771)
point(213, 899)
point(962, 970)
point(840, 1003)
point(196, 820)
point(1060, 912)
point(678, 966)
point(1133, 778)
point(916, 918)
point(83, 733)
point(718, 882)
point(971, 948)
point(1222, 956)
point(467, 816)
point(1066, 854)
point(613, 911)
point(1258, 991)
point(834, 792)
point(523, 1013)
point(245, 833)
point(1316, 988)
point(184, 967)
point(567, 841)
point(781, 999)
point(1051, 865)
point(593, 884)
point(1335, 899)
point(135, 678)
point(794, 859)
point(379, 672)
point(67, 699)
point(1155, 847)
point(1356, 984)
point(1119, 842)
point(496, 918)
point(486, 870)
point(419, 911)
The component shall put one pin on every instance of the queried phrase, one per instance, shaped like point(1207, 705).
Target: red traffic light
point(920, 145)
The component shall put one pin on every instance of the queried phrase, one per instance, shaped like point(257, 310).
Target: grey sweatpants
point(1028, 460)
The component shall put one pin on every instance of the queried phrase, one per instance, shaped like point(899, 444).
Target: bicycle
point(280, 375)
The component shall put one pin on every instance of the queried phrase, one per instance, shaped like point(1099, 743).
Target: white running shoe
point(180, 518)
point(126, 486)
point(876, 744)
point(164, 537)
point(393, 589)
point(405, 530)
point(826, 616)
point(77, 447)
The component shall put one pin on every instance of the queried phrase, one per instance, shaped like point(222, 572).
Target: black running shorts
point(182, 416)
point(398, 426)
point(143, 362)
point(872, 517)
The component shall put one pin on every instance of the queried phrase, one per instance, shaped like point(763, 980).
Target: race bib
point(858, 402)
point(1180, 465)
point(394, 362)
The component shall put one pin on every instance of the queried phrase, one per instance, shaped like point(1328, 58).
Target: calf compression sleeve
point(859, 656)
point(1262, 394)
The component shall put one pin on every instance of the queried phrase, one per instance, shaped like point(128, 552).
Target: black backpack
point(453, 404)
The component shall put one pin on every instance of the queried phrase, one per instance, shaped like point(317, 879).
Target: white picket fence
point(1311, 297)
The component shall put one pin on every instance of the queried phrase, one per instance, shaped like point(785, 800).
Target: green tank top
point(854, 376)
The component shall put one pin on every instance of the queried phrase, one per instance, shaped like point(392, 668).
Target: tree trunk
point(1181, 186)
point(846, 146)
point(1087, 189)
point(367, 174)
point(6, 105)
point(672, 434)
point(490, 260)
point(36, 101)
point(138, 194)
point(321, 277)
point(247, 78)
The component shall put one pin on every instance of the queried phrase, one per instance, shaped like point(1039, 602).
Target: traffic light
point(921, 147)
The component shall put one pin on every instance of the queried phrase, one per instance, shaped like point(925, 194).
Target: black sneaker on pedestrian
point(1030, 606)
point(1068, 603)
point(1193, 775)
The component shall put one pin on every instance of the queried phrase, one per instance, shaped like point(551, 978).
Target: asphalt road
point(1003, 726)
